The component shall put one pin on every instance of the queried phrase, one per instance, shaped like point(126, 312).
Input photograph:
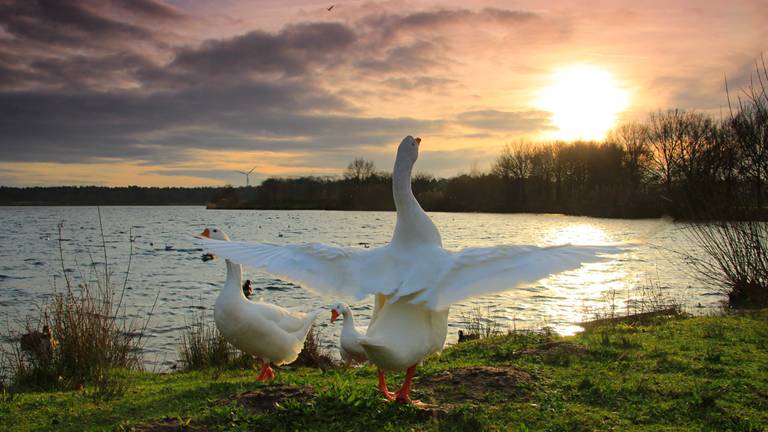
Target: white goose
point(349, 345)
point(413, 278)
point(269, 332)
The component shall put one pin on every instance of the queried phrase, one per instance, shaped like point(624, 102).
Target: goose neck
point(234, 284)
point(349, 320)
point(401, 185)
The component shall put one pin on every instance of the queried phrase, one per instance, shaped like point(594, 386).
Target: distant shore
point(371, 195)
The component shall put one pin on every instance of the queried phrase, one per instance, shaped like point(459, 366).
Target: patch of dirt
point(265, 398)
point(261, 400)
point(474, 383)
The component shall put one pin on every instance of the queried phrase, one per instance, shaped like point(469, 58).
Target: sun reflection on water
point(578, 289)
point(582, 234)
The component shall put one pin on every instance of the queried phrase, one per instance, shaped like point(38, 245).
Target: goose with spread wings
point(413, 278)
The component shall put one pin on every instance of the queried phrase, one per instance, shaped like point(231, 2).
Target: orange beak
point(206, 233)
point(334, 315)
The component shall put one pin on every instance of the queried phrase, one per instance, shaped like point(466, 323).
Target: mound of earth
point(266, 398)
point(262, 399)
point(474, 383)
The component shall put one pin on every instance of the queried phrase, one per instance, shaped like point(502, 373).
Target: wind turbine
point(247, 176)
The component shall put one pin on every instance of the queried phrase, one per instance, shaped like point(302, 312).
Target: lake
point(165, 261)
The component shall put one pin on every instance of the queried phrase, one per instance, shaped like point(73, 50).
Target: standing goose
point(269, 332)
point(349, 345)
point(414, 280)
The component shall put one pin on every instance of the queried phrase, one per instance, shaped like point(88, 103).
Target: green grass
point(705, 373)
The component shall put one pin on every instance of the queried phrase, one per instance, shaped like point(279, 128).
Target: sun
point(584, 101)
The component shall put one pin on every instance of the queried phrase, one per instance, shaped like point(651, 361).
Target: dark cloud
point(55, 22)
point(391, 26)
point(427, 83)
point(290, 51)
point(517, 121)
point(82, 126)
point(89, 72)
point(417, 56)
point(150, 9)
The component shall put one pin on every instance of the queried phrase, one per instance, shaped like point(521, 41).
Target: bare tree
point(515, 163)
point(360, 170)
point(750, 127)
point(666, 130)
point(697, 151)
point(632, 137)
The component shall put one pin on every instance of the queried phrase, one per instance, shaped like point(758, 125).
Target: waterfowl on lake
point(247, 288)
point(463, 337)
point(39, 344)
point(273, 334)
point(414, 279)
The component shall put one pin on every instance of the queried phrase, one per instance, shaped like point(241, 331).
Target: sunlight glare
point(577, 234)
point(584, 101)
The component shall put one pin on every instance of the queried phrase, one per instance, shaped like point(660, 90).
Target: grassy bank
point(705, 373)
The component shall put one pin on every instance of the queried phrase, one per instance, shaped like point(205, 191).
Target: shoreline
point(668, 373)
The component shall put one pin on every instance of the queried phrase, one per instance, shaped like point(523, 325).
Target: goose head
point(338, 309)
point(408, 150)
point(214, 233)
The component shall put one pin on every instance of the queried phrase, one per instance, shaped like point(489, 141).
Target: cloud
point(151, 9)
point(290, 51)
point(508, 121)
point(72, 127)
point(65, 23)
point(424, 82)
point(215, 174)
point(393, 26)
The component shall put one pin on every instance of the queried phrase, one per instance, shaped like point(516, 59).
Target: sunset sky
point(145, 92)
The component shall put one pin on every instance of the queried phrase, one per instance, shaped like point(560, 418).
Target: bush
point(735, 260)
point(477, 324)
point(203, 346)
point(314, 354)
point(86, 335)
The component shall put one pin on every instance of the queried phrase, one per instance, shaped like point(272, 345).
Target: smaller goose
point(349, 344)
point(269, 332)
point(349, 347)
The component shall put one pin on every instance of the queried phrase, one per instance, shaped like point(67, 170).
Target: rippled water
point(165, 261)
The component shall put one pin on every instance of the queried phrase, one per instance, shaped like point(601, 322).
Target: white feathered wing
point(435, 276)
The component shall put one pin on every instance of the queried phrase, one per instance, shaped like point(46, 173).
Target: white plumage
point(349, 343)
point(274, 334)
point(414, 279)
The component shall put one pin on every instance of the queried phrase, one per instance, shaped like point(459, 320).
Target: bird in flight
point(329, 9)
